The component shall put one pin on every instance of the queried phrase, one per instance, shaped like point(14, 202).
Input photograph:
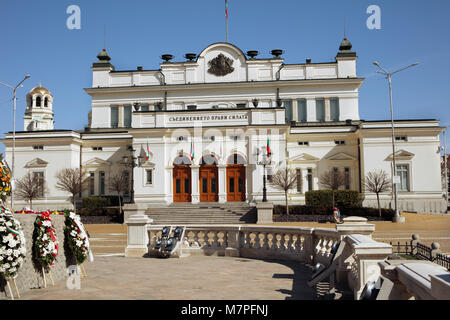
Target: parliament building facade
point(199, 129)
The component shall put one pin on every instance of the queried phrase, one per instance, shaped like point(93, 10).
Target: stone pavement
point(190, 278)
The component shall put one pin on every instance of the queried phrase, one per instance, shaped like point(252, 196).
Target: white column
point(222, 183)
point(294, 110)
point(168, 187)
point(195, 176)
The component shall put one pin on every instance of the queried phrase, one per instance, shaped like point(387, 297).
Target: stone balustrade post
point(264, 212)
point(367, 254)
point(435, 249)
point(415, 240)
point(355, 225)
point(138, 240)
point(233, 242)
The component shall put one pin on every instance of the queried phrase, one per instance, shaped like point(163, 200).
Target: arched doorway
point(182, 180)
point(235, 178)
point(209, 179)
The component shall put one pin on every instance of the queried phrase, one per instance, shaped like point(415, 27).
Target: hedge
point(342, 198)
point(101, 202)
point(295, 210)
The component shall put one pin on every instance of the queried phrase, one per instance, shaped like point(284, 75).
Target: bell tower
point(39, 111)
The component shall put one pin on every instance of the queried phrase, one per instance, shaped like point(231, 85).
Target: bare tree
point(30, 187)
point(71, 181)
point(333, 179)
point(284, 179)
point(118, 183)
point(377, 182)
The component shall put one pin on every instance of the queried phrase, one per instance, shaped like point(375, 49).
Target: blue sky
point(35, 40)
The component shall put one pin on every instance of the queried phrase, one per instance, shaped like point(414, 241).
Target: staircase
point(202, 213)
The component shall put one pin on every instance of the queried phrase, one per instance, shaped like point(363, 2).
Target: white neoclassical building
point(199, 129)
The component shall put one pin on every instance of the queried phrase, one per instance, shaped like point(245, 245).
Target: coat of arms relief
point(220, 66)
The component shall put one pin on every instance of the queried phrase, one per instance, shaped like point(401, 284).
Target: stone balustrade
point(357, 265)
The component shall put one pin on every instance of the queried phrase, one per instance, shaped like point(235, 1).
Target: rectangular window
point(91, 183)
point(401, 138)
point(403, 173)
point(149, 176)
point(205, 185)
point(320, 110)
point(145, 107)
point(347, 178)
point(339, 142)
point(240, 185)
point(299, 180)
point(114, 117)
point(334, 109)
point(102, 183)
point(288, 107)
point(97, 148)
point(303, 143)
point(40, 179)
point(301, 110)
point(38, 147)
point(231, 184)
point(213, 185)
point(126, 175)
point(310, 180)
point(186, 186)
point(127, 116)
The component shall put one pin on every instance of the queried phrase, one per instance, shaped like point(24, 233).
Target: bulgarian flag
point(268, 146)
point(226, 9)
point(147, 154)
point(192, 150)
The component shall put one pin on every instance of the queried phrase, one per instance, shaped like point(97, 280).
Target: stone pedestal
point(355, 225)
point(264, 212)
point(399, 219)
point(137, 240)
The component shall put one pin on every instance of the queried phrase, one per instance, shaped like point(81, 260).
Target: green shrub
point(95, 202)
point(324, 198)
point(99, 212)
point(386, 214)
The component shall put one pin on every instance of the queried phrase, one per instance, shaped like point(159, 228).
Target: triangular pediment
point(304, 157)
point(401, 155)
point(341, 156)
point(148, 164)
point(96, 163)
point(36, 163)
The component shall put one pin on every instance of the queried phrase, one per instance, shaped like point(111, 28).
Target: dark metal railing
point(422, 252)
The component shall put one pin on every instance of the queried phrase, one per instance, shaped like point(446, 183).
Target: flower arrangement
point(25, 211)
point(45, 244)
point(5, 180)
point(78, 240)
point(12, 246)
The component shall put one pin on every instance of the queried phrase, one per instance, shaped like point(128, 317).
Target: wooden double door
point(182, 183)
point(209, 183)
point(235, 183)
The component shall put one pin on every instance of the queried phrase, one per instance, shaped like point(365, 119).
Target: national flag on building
point(192, 150)
point(147, 154)
point(226, 9)
point(268, 147)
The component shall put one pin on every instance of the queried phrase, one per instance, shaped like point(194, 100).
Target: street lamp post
point(388, 75)
point(265, 161)
point(14, 135)
point(131, 162)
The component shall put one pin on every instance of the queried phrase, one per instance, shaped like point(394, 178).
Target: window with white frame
point(309, 179)
point(39, 175)
point(403, 173)
point(91, 183)
point(149, 176)
point(102, 183)
point(347, 178)
point(126, 175)
point(320, 110)
point(299, 180)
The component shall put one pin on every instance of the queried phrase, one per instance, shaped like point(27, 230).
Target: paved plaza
point(190, 278)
